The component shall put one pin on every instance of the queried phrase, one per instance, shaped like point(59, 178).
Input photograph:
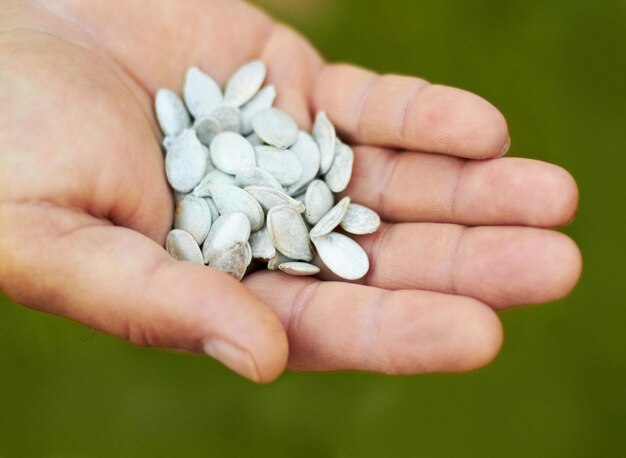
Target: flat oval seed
point(261, 244)
point(281, 164)
point(231, 260)
point(299, 269)
point(360, 220)
point(206, 129)
point(193, 215)
point(229, 199)
point(201, 92)
point(277, 260)
point(254, 176)
point(186, 162)
point(248, 253)
point(276, 128)
point(168, 141)
point(171, 112)
point(270, 197)
point(214, 176)
point(244, 83)
point(182, 246)
point(288, 232)
point(263, 100)
point(254, 139)
point(225, 231)
point(342, 255)
point(308, 154)
point(318, 201)
point(325, 136)
point(228, 117)
point(230, 152)
point(338, 176)
point(215, 213)
point(332, 219)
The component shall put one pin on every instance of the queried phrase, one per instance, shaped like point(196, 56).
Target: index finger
point(410, 113)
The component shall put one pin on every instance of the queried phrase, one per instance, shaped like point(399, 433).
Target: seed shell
point(338, 176)
point(230, 199)
point(206, 129)
point(262, 247)
point(308, 153)
point(325, 136)
point(232, 260)
point(332, 219)
point(263, 100)
point(171, 112)
point(270, 197)
point(182, 246)
point(360, 220)
point(244, 83)
point(214, 176)
point(281, 164)
point(342, 255)
point(201, 92)
point(288, 233)
point(275, 127)
point(193, 215)
point(299, 269)
point(227, 230)
point(228, 117)
point(318, 201)
point(230, 152)
point(254, 176)
point(186, 162)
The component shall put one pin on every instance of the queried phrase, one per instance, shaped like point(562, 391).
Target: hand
point(85, 208)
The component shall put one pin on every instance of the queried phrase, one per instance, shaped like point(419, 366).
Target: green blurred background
point(558, 389)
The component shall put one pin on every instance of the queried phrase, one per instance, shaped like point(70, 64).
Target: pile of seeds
point(251, 186)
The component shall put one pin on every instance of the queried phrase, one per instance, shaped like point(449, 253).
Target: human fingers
point(342, 326)
point(421, 187)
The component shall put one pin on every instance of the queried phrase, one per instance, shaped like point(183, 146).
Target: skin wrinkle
point(460, 173)
point(453, 263)
point(373, 322)
point(376, 252)
point(391, 169)
point(412, 98)
point(293, 320)
point(362, 103)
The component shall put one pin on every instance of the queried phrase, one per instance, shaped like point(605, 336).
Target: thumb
point(121, 282)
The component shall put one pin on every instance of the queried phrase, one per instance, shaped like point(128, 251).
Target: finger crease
point(362, 103)
point(460, 174)
point(411, 99)
point(303, 301)
point(453, 260)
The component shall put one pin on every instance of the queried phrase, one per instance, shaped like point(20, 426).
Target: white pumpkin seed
point(201, 92)
point(277, 260)
point(262, 247)
point(229, 199)
point(248, 253)
point(186, 162)
point(226, 230)
point(179, 196)
point(270, 197)
point(318, 201)
point(230, 152)
point(215, 213)
point(338, 176)
point(245, 82)
point(228, 117)
point(275, 127)
point(263, 100)
point(281, 164)
point(168, 141)
point(193, 215)
point(288, 233)
point(360, 220)
point(214, 176)
point(182, 246)
point(299, 269)
point(325, 136)
point(308, 154)
point(332, 219)
point(342, 255)
point(171, 113)
point(232, 260)
point(254, 139)
point(254, 176)
point(206, 129)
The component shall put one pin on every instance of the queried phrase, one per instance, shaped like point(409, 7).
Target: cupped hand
point(85, 208)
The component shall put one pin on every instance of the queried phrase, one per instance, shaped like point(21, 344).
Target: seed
point(215, 213)
point(254, 176)
point(270, 197)
point(308, 154)
point(230, 199)
point(186, 162)
point(193, 215)
point(360, 220)
point(254, 139)
point(214, 176)
point(281, 164)
point(201, 92)
point(331, 219)
point(275, 262)
point(232, 260)
point(263, 100)
point(288, 233)
point(299, 269)
point(342, 255)
point(262, 247)
point(228, 117)
point(206, 129)
point(276, 128)
point(227, 230)
point(318, 201)
point(338, 176)
point(171, 113)
point(325, 136)
point(168, 141)
point(230, 152)
point(182, 246)
point(244, 83)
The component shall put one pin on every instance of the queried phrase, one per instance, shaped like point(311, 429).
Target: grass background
point(558, 389)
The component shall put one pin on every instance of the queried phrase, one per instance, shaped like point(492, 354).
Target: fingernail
point(232, 357)
point(506, 147)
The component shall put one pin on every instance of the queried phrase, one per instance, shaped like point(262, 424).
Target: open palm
point(85, 208)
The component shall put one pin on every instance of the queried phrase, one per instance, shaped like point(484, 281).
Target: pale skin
point(85, 208)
